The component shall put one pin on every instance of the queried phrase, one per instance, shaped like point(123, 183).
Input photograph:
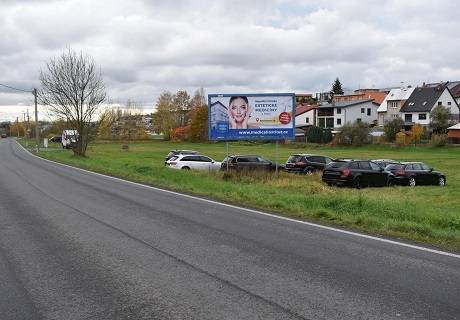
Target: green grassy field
point(428, 214)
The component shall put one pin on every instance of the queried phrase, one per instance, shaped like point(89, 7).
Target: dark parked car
point(306, 163)
point(173, 153)
point(245, 162)
point(4, 135)
point(356, 173)
point(415, 173)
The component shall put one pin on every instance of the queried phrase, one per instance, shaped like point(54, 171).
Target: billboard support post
point(276, 148)
point(226, 144)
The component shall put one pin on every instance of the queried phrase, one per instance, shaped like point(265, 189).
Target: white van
point(69, 138)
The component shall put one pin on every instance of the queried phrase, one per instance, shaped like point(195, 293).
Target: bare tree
point(73, 90)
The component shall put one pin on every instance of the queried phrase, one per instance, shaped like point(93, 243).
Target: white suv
point(187, 162)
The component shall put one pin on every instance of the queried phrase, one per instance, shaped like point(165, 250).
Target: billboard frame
point(283, 94)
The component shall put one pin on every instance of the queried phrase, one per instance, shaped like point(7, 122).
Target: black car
point(356, 173)
point(4, 135)
point(306, 163)
point(245, 162)
point(415, 173)
point(173, 153)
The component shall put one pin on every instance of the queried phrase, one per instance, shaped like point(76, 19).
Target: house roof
point(454, 127)
point(453, 86)
point(301, 108)
point(422, 99)
point(397, 94)
point(344, 104)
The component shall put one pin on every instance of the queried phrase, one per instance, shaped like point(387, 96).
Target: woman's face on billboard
point(238, 109)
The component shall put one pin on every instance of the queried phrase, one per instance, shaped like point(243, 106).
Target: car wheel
point(412, 182)
point(442, 181)
point(357, 183)
point(185, 168)
point(308, 172)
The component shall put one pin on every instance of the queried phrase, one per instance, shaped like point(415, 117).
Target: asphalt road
point(75, 245)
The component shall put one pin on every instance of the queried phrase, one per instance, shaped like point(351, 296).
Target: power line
point(12, 88)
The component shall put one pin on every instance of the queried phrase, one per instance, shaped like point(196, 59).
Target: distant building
point(337, 114)
point(453, 86)
point(422, 101)
point(453, 133)
point(390, 107)
point(305, 115)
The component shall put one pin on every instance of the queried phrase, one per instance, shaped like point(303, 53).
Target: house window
point(408, 117)
point(393, 104)
point(422, 116)
point(339, 122)
point(339, 111)
point(329, 122)
point(321, 122)
point(368, 111)
point(358, 120)
point(449, 103)
point(363, 110)
point(307, 120)
point(439, 103)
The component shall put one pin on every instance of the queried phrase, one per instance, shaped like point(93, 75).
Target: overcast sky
point(146, 47)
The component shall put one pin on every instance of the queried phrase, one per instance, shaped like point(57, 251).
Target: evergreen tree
point(337, 87)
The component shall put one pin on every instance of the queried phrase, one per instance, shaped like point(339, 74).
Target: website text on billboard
point(268, 116)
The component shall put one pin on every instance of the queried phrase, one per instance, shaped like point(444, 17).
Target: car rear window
point(173, 158)
point(393, 167)
point(294, 158)
point(338, 164)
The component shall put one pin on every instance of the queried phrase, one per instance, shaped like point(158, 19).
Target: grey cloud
point(145, 47)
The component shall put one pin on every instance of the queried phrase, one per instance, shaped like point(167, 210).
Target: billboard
point(268, 116)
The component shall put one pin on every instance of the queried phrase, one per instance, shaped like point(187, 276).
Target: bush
point(180, 133)
point(314, 134)
point(401, 138)
point(355, 134)
point(392, 127)
point(319, 135)
point(439, 140)
point(327, 136)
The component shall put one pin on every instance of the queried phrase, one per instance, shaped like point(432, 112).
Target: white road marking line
point(360, 235)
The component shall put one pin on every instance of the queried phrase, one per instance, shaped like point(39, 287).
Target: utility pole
point(37, 132)
point(28, 124)
point(17, 126)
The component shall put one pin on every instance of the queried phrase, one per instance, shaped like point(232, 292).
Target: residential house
point(392, 104)
point(377, 94)
point(304, 98)
point(305, 115)
point(336, 114)
point(362, 94)
point(423, 100)
point(453, 86)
